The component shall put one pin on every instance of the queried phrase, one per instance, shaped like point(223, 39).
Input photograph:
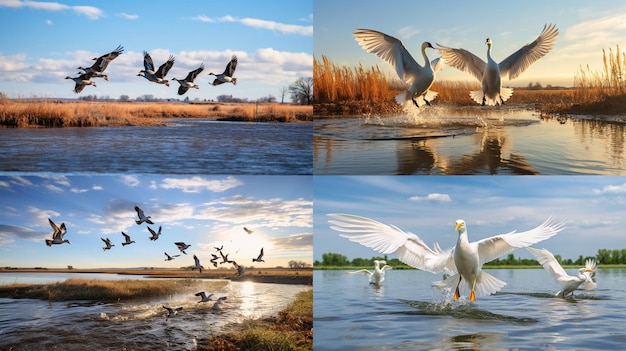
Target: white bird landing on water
point(378, 275)
point(204, 297)
point(57, 234)
point(491, 73)
point(142, 216)
point(590, 271)
point(108, 244)
point(416, 78)
point(465, 258)
point(568, 282)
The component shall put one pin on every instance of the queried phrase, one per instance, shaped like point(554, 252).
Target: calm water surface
point(27, 324)
point(406, 313)
point(468, 141)
point(189, 146)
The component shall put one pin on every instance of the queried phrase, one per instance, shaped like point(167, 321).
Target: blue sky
point(585, 29)
point(204, 211)
point(49, 40)
point(594, 209)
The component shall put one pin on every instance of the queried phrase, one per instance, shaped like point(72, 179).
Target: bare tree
point(302, 90)
point(283, 91)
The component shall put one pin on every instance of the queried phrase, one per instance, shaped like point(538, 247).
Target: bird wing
point(139, 212)
point(388, 239)
point(523, 58)
point(126, 236)
point(391, 50)
point(364, 271)
point(103, 61)
point(182, 89)
point(591, 265)
point(79, 87)
point(261, 254)
point(147, 62)
point(463, 60)
point(437, 64)
point(231, 66)
point(179, 244)
point(164, 68)
point(105, 241)
point(196, 260)
point(193, 74)
point(55, 228)
point(547, 260)
point(491, 248)
point(151, 231)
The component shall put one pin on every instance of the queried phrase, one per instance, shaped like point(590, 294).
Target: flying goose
point(214, 260)
point(158, 76)
point(197, 264)
point(227, 76)
point(171, 312)
point(218, 302)
point(491, 73)
point(81, 82)
point(168, 257)
point(103, 61)
point(218, 248)
point(465, 258)
point(249, 231)
point(57, 234)
point(182, 246)
point(378, 275)
point(204, 297)
point(260, 258)
point(108, 244)
point(225, 258)
point(568, 282)
point(417, 79)
point(187, 83)
point(128, 241)
point(240, 269)
point(155, 235)
point(142, 216)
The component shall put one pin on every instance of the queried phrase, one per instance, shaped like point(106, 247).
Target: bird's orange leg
point(456, 292)
point(472, 296)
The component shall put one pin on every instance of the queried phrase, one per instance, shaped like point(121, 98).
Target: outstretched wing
point(231, 66)
point(164, 68)
point(523, 58)
point(147, 62)
point(193, 74)
point(463, 60)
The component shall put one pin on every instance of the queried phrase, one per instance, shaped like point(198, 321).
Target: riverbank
point(74, 113)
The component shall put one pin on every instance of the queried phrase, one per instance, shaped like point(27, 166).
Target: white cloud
point(127, 16)
point(97, 187)
point(611, 189)
point(260, 23)
point(88, 11)
point(49, 22)
point(436, 197)
point(78, 191)
point(130, 180)
point(197, 184)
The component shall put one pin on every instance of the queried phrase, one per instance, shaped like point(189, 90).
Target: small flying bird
point(240, 269)
point(142, 216)
point(214, 260)
point(225, 258)
point(204, 297)
point(57, 234)
point(218, 302)
point(260, 258)
point(249, 231)
point(169, 258)
point(218, 248)
point(227, 76)
point(128, 241)
point(187, 83)
point(81, 82)
point(171, 312)
point(197, 264)
point(155, 235)
point(103, 61)
point(108, 244)
point(182, 246)
point(158, 76)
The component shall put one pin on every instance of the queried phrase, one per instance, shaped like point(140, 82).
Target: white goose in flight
point(57, 234)
point(227, 76)
point(108, 244)
point(465, 258)
point(127, 238)
point(568, 282)
point(142, 216)
point(81, 82)
point(417, 79)
point(378, 275)
point(187, 83)
point(490, 73)
point(157, 76)
point(155, 235)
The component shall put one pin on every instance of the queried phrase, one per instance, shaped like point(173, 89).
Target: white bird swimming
point(142, 216)
point(259, 258)
point(227, 76)
point(590, 271)
point(378, 275)
point(57, 234)
point(418, 79)
point(187, 83)
point(168, 257)
point(568, 282)
point(171, 312)
point(128, 241)
point(465, 258)
point(157, 76)
point(218, 302)
point(182, 246)
point(204, 297)
point(197, 264)
point(108, 244)
point(155, 235)
point(491, 73)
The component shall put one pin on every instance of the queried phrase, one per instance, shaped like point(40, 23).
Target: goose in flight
point(568, 282)
point(197, 264)
point(128, 241)
point(227, 76)
point(168, 257)
point(155, 235)
point(259, 258)
point(81, 82)
point(157, 76)
point(204, 297)
point(182, 246)
point(218, 248)
point(491, 73)
point(57, 234)
point(108, 244)
point(103, 61)
point(249, 231)
point(590, 271)
point(240, 269)
point(225, 258)
point(214, 259)
point(378, 275)
point(142, 216)
point(417, 79)
point(466, 259)
point(171, 312)
point(218, 302)
point(187, 83)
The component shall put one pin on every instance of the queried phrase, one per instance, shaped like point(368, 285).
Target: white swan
point(378, 275)
point(490, 73)
point(57, 234)
point(590, 272)
point(416, 78)
point(227, 76)
point(157, 76)
point(187, 83)
point(568, 282)
point(108, 244)
point(465, 258)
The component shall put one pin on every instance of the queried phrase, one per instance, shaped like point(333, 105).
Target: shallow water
point(29, 324)
point(406, 313)
point(468, 141)
point(187, 146)
point(47, 278)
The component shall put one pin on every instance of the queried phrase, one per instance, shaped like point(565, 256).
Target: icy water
point(188, 146)
point(406, 313)
point(27, 324)
point(468, 141)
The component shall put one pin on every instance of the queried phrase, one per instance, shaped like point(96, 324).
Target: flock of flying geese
point(418, 79)
point(96, 70)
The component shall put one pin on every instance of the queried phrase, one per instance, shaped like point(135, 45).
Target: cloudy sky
point(201, 211)
point(49, 40)
point(594, 209)
point(585, 29)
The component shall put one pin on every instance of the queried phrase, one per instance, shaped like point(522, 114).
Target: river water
point(442, 140)
point(187, 146)
point(407, 313)
point(27, 324)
